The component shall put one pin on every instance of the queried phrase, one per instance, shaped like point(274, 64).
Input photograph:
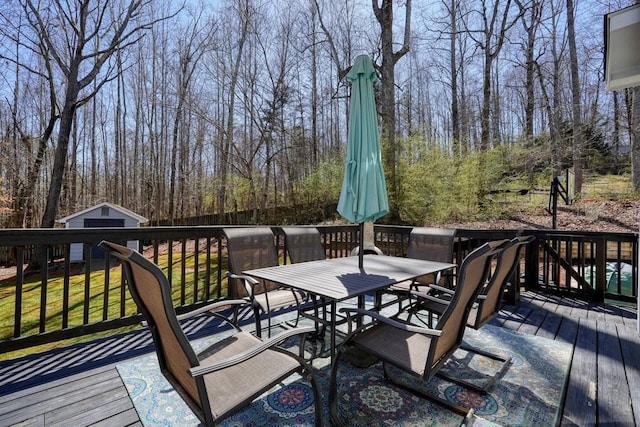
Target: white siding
point(76, 250)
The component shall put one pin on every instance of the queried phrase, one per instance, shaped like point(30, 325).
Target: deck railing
point(71, 299)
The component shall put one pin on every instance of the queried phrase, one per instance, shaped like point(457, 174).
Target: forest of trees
point(175, 110)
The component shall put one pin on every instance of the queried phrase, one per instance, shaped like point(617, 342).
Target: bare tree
point(455, 111)
point(278, 64)
point(384, 14)
point(531, 23)
point(65, 31)
point(553, 104)
point(578, 160)
point(632, 96)
point(245, 13)
point(23, 192)
point(191, 49)
point(490, 38)
point(172, 133)
point(632, 101)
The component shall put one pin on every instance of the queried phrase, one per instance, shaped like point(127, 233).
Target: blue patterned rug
point(528, 394)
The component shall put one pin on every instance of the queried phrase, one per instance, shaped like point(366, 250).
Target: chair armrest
point(248, 354)
point(206, 308)
point(442, 289)
point(249, 282)
point(428, 297)
point(249, 279)
point(440, 304)
point(391, 322)
point(210, 307)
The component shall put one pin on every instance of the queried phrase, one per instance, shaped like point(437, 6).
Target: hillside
point(587, 215)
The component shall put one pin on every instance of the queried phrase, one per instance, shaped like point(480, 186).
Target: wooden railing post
point(531, 264)
point(601, 269)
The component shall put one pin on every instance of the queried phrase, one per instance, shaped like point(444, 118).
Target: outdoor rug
point(529, 393)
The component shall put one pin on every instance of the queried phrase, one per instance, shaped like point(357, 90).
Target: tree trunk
point(60, 156)
point(635, 140)
point(635, 137)
point(578, 160)
point(556, 118)
point(384, 15)
point(244, 15)
point(314, 91)
point(485, 133)
point(455, 116)
point(23, 199)
point(531, 29)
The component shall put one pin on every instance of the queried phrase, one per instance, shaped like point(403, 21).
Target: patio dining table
point(339, 279)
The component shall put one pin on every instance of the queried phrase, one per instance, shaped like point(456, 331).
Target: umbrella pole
point(361, 246)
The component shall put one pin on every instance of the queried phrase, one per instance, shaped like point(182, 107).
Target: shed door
point(96, 251)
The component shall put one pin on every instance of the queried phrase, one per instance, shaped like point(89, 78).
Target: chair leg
point(256, 315)
point(235, 314)
point(320, 326)
point(506, 361)
point(291, 324)
point(333, 390)
point(307, 372)
point(317, 395)
point(269, 324)
point(491, 382)
point(414, 310)
point(295, 324)
point(466, 412)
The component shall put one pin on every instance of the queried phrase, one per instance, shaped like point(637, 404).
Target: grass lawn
point(107, 298)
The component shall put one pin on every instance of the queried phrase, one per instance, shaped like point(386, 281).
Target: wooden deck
point(80, 385)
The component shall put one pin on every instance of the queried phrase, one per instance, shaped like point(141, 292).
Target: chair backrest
point(431, 243)
point(472, 275)
point(435, 244)
point(151, 292)
point(249, 248)
point(303, 244)
point(507, 262)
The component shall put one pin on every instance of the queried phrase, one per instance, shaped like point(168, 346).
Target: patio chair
point(250, 248)
point(418, 350)
point(303, 244)
point(227, 375)
point(487, 305)
point(489, 300)
point(429, 243)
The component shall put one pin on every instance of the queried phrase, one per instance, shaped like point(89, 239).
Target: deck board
point(550, 325)
point(65, 403)
point(108, 410)
point(614, 399)
point(533, 322)
point(127, 418)
point(603, 384)
point(580, 405)
point(630, 348)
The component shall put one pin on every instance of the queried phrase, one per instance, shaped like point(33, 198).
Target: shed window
point(104, 211)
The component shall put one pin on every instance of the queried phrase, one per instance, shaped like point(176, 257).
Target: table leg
point(320, 327)
point(361, 304)
point(333, 330)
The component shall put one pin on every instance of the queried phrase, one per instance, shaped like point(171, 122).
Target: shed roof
point(124, 211)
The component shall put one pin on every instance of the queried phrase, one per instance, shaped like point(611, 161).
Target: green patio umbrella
point(364, 191)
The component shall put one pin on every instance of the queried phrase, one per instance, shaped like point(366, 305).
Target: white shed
point(101, 215)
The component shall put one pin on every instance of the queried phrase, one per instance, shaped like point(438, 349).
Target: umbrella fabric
point(364, 190)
